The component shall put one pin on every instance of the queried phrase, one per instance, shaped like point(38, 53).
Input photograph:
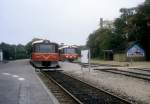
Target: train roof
point(42, 41)
point(69, 46)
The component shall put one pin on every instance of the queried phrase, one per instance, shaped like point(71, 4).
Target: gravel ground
point(132, 88)
point(135, 64)
point(137, 71)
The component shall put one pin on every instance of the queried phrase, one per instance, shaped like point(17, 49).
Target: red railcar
point(44, 54)
point(68, 53)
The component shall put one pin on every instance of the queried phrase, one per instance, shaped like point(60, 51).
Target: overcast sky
point(61, 21)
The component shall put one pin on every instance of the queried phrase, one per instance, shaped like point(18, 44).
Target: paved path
point(19, 84)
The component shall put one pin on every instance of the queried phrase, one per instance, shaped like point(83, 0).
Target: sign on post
point(1, 55)
point(135, 51)
point(85, 58)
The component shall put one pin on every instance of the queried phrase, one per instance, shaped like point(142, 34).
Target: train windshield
point(45, 48)
point(69, 50)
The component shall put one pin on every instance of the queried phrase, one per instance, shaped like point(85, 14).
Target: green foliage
point(132, 25)
point(21, 52)
point(11, 52)
point(102, 39)
point(138, 27)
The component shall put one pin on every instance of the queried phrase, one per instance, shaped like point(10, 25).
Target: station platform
point(19, 84)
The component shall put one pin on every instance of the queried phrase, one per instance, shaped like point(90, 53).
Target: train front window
point(69, 50)
point(45, 48)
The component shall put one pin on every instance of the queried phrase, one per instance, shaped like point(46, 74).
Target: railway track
point(60, 93)
point(135, 74)
point(97, 65)
point(83, 92)
point(143, 69)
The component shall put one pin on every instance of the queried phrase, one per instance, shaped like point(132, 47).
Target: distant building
point(1, 55)
point(106, 23)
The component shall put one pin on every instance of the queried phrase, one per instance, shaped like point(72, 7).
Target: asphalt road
point(19, 84)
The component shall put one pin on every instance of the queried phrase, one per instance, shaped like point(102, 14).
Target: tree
point(132, 25)
point(102, 39)
point(21, 52)
point(143, 24)
point(11, 52)
point(138, 27)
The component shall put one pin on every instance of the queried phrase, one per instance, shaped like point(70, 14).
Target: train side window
point(37, 48)
point(56, 49)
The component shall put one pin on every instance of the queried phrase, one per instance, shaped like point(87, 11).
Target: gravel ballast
point(130, 88)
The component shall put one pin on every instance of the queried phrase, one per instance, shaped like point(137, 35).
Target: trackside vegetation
point(133, 25)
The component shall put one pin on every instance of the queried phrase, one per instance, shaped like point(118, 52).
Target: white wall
point(1, 56)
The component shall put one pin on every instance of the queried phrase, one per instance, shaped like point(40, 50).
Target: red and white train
point(44, 54)
point(68, 53)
